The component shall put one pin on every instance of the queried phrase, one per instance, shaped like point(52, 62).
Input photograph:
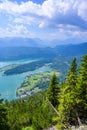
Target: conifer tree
point(67, 99)
point(82, 89)
point(71, 79)
point(53, 90)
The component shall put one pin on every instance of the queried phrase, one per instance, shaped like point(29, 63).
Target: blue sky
point(35, 1)
point(44, 19)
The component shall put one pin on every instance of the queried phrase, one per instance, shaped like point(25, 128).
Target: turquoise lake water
point(9, 84)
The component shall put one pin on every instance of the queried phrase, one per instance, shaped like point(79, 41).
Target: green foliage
point(3, 117)
point(82, 89)
point(34, 111)
point(73, 98)
point(72, 74)
point(28, 128)
point(68, 99)
point(53, 90)
point(35, 83)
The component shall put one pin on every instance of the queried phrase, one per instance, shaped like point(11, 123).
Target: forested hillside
point(63, 104)
point(16, 53)
point(27, 67)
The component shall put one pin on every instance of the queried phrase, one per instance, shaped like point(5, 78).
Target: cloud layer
point(55, 18)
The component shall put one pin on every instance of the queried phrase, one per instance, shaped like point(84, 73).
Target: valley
point(43, 65)
point(10, 83)
point(20, 62)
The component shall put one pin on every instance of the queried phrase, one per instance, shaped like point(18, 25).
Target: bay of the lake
point(9, 84)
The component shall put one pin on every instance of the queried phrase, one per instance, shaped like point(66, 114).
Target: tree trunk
point(78, 119)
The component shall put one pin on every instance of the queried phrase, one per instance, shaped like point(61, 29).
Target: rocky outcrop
point(80, 128)
point(51, 128)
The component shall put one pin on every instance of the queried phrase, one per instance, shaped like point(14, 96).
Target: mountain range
point(34, 42)
point(21, 48)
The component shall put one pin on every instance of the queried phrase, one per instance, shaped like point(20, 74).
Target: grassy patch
point(28, 128)
point(35, 83)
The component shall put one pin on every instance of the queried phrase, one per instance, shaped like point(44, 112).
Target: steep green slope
point(33, 111)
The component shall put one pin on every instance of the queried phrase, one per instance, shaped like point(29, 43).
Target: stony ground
point(73, 128)
point(52, 128)
point(80, 128)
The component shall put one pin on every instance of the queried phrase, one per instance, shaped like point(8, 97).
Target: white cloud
point(82, 10)
point(15, 31)
point(18, 20)
point(50, 8)
point(15, 8)
point(69, 17)
point(80, 34)
point(43, 24)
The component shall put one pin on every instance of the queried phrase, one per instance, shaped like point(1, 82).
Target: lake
point(9, 84)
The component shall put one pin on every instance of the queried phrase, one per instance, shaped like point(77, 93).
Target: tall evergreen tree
point(71, 79)
point(67, 99)
point(53, 90)
point(82, 89)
